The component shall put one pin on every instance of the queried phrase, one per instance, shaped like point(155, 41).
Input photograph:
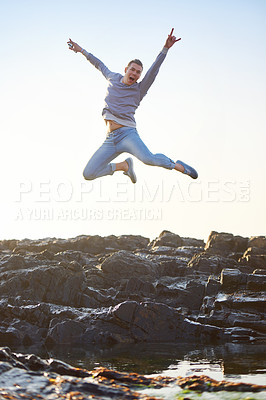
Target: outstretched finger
point(171, 33)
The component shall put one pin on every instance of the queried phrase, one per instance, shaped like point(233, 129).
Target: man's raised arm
point(91, 58)
point(151, 74)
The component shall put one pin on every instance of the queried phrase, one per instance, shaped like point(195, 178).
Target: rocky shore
point(30, 377)
point(128, 289)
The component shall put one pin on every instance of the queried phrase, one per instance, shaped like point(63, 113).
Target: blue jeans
point(122, 140)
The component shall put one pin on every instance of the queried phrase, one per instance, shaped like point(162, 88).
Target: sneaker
point(188, 170)
point(130, 172)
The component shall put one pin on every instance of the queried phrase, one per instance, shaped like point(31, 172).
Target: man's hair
point(136, 61)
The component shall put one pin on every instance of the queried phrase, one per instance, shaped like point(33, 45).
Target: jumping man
point(124, 94)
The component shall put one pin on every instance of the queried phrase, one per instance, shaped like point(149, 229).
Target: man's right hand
point(74, 46)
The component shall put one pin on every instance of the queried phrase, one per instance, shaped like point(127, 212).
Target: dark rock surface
point(128, 289)
point(26, 376)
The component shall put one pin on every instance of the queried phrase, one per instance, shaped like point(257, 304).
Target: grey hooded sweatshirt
point(121, 100)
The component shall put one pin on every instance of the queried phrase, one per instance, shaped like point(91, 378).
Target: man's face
point(132, 74)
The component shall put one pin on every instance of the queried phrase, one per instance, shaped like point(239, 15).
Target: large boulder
point(210, 264)
point(226, 242)
point(156, 322)
point(168, 239)
point(65, 332)
point(58, 284)
point(124, 265)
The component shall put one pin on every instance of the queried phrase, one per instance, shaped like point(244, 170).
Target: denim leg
point(99, 164)
point(133, 144)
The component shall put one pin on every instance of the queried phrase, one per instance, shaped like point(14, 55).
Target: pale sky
point(206, 108)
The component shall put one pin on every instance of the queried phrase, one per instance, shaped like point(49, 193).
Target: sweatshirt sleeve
point(98, 64)
point(151, 74)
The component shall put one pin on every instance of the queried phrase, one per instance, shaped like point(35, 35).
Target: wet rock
point(28, 376)
point(232, 279)
point(243, 311)
point(173, 294)
point(210, 264)
point(185, 252)
point(204, 383)
point(212, 287)
point(243, 301)
point(159, 323)
point(256, 282)
point(259, 272)
point(65, 332)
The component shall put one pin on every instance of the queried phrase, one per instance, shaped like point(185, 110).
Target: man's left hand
point(171, 40)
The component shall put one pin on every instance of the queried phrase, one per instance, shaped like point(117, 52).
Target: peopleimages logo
point(94, 201)
point(88, 214)
point(64, 191)
point(51, 200)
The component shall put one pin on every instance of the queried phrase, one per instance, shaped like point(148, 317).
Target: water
point(232, 361)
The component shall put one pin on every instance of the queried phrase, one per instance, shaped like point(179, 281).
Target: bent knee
point(89, 175)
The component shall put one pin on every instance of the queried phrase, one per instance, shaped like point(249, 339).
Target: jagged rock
point(29, 376)
point(124, 264)
point(172, 294)
point(259, 272)
point(136, 285)
point(232, 279)
point(256, 282)
point(210, 264)
point(59, 284)
point(88, 244)
point(172, 266)
point(65, 332)
point(243, 312)
point(212, 287)
point(12, 262)
point(184, 251)
point(190, 242)
point(8, 244)
point(254, 257)
point(66, 290)
point(226, 242)
point(160, 323)
point(168, 239)
point(257, 241)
